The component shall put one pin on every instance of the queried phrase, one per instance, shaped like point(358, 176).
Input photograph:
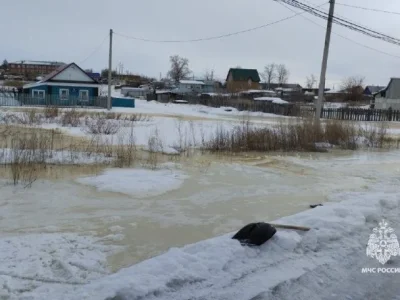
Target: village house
point(189, 87)
point(68, 85)
point(388, 97)
point(242, 79)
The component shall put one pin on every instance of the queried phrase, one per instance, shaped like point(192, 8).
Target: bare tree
point(311, 81)
point(269, 74)
point(282, 74)
point(209, 75)
point(179, 68)
point(353, 88)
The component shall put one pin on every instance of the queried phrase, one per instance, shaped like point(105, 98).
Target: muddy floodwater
point(218, 196)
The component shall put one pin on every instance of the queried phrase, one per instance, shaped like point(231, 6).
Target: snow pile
point(8, 156)
point(32, 261)
point(136, 182)
point(335, 105)
point(161, 149)
point(271, 99)
point(324, 263)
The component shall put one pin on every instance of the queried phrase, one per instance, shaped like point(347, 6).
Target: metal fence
point(13, 99)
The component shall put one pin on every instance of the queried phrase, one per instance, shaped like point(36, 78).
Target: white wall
point(72, 73)
point(384, 103)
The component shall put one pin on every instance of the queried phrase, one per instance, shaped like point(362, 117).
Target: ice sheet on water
point(136, 182)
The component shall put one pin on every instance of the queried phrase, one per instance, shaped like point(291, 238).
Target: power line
point(95, 50)
point(214, 37)
point(344, 37)
point(340, 21)
point(370, 9)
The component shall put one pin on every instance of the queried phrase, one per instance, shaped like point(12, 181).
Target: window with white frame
point(64, 94)
point(38, 94)
point(84, 95)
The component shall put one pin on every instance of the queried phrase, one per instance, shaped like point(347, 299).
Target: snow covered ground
point(324, 263)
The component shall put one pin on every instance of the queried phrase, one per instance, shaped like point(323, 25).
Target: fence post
point(389, 114)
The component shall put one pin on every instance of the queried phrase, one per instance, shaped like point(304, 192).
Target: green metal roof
point(244, 74)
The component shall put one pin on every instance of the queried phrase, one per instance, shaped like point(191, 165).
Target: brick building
point(30, 67)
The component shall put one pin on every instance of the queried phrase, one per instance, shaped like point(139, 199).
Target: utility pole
point(324, 61)
point(109, 71)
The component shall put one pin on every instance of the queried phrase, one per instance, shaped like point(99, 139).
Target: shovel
point(256, 234)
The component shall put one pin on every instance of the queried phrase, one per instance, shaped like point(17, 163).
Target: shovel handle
point(293, 227)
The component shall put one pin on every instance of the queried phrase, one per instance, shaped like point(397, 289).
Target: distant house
point(139, 92)
point(212, 86)
point(388, 97)
point(189, 87)
point(242, 79)
point(95, 76)
point(67, 85)
point(372, 89)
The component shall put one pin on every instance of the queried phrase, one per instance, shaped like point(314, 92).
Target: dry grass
point(28, 117)
point(51, 112)
point(101, 125)
point(301, 135)
point(71, 118)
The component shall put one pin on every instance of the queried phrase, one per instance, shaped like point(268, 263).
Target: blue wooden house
point(68, 85)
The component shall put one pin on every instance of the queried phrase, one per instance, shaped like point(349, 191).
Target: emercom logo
point(383, 243)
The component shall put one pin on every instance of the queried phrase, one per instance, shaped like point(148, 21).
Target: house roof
point(191, 82)
point(60, 69)
point(293, 86)
point(243, 74)
point(374, 88)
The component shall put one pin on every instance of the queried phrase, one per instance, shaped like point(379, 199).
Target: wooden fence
point(357, 114)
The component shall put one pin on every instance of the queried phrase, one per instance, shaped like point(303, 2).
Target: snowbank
point(271, 99)
point(29, 261)
point(136, 182)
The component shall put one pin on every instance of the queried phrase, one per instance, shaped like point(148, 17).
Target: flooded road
point(217, 196)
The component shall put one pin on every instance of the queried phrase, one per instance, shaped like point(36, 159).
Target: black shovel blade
point(255, 234)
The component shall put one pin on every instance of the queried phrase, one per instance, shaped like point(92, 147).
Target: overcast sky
point(71, 30)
